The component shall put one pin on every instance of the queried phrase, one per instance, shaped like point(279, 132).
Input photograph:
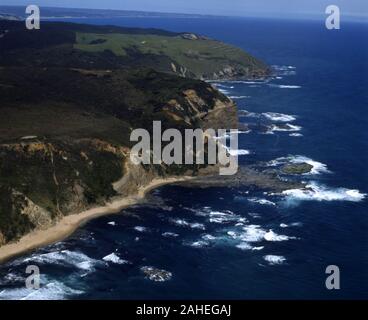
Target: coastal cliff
point(67, 148)
point(70, 96)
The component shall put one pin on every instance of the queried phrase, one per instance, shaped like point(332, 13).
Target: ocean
point(240, 243)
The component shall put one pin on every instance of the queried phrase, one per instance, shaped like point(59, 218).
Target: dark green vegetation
point(104, 104)
point(71, 94)
point(12, 223)
point(57, 176)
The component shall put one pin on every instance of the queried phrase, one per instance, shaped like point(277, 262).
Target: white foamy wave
point(257, 248)
point(237, 152)
point(244, 246)
point(233, 234)
point(295, 135)
point(284, 86)
point(251, 233)
point(250, 81)
point(220, 217)
point(209, 237)
point(184, 223)
point(219, 85)
point(316, 192)
point(65, 257)
point(170, 235)
point(114, 258)
point(11, 278)
point(140, 229)
point(223, 217)
point(111, 223)
point(289, 86)
point(234, 132)
point(239, 97)
point(199, 244)
point(294, 224)
point(284, 70)
point(272, 236)
point(197, 225)
point(287, 128)
point(262, 201)
point(237, 132)
point(224, 91)
point(180, 222)
point(54, 290)
point(240, 152)
point(279, 117)
point(274, 260)
point(250, 115)
point(254, 233)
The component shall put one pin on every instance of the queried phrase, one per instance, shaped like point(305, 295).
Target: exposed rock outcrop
point(37, 215)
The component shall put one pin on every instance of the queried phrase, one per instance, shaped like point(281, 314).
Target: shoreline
point(69, 224)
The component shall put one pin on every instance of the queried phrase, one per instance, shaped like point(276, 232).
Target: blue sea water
point(236, 243)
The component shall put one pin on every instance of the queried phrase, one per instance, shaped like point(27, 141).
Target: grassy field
point(106, 47)
point(200, 56)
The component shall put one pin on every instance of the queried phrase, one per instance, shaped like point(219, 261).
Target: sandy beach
point(67, 225)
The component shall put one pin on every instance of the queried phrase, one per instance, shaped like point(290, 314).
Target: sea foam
point(272, 236)
point(184, 223)
point(54, 290)
point(66, 258)
point(114, 258)
point(140, 229)
point(287, 128)
point(274, 260)
point(295, 134)
point(314, 191)
point(279, 117)
point(262, 201)
point(239, 97)
point(170, 235)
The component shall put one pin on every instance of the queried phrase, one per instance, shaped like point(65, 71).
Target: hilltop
point(59, 44)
